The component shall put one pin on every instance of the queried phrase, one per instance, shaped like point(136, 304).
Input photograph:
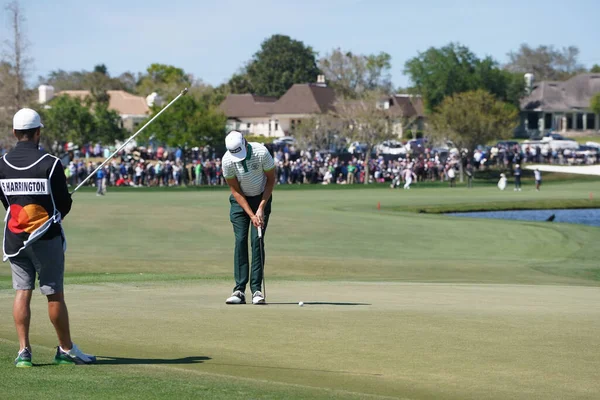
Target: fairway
point(398, 304)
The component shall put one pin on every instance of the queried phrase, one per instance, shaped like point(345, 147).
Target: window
point(269, 126)
point(248, 125)
point(276, 125)
point(293, 124)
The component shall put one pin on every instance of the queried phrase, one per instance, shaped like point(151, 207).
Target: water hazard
point(590, 216)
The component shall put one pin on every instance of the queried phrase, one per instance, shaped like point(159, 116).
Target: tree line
point(446, 78)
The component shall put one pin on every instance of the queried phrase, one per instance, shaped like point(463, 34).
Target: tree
point(97, 81)
point(107, 124)
point(438, 73)
point(316, 133)
point(16, 55)
point(351, 74)
point(240, 84)
point(191, 122)
point(595, 104)
point(14, 67)
point(473, 118)
point(166, 80)
point(595, 69)
point(67, 120)
point(363, 120)
point(545, 62)
point(280, 63)
point(128, 81)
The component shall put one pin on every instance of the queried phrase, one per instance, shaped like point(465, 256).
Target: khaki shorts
point(45, 258)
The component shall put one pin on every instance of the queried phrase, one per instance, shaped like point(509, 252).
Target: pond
point(590, 216)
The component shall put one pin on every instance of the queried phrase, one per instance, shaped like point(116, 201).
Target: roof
point(120, 101)
point(247, 106)
point(299, 99)
point(572, 94)
point(408, 106)
point(306, 99)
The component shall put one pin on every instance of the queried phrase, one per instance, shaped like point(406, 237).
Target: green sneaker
point(23, 359)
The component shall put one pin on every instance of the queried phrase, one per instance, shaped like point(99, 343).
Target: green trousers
point(241, 222)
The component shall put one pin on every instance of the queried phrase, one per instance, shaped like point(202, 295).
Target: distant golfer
point(35, 195)
point(249, 171)
point(408, 177)
point(538, 179)
point(517, 177)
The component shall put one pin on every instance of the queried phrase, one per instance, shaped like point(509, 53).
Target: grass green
point(398, 304)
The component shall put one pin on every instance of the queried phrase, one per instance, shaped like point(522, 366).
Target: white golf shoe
point(258, 298)
point(236, 298)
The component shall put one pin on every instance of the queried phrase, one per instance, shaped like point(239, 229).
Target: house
point(272, 117)
point(134, 110)
point(407, 112)
point(560, 106)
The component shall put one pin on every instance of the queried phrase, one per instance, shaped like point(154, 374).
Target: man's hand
point(256, 222)
point(260, 215)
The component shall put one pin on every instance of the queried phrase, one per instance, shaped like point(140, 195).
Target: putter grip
point(259, 232)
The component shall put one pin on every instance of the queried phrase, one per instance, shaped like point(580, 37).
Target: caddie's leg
point(49, 260)
point(257, 267)
point(59, 316)
point(240, 221)
point(23, 277)
point(22, 317)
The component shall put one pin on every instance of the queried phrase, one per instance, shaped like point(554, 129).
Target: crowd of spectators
point(141, 166)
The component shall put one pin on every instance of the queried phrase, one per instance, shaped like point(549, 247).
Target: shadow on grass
point(322, 303)
point(106, 360)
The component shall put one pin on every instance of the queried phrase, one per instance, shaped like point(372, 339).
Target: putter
point(184, 91)
point(262, 260)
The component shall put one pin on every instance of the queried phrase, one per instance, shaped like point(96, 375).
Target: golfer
point(249, 171)
point(36, 198)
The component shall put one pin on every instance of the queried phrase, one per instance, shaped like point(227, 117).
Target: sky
point(212, 39)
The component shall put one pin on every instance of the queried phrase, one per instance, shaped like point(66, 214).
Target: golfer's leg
point(240, 221)
point(22, 316)
point(257, 265)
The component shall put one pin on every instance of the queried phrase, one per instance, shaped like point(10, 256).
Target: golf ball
point(301, 303)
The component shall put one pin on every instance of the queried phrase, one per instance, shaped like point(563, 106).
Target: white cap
point(26, 118)
point(235, 145)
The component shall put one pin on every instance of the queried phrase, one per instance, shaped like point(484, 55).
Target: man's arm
point(268, 166)
point(236, 191)
point(268, 188)
point(60, 191)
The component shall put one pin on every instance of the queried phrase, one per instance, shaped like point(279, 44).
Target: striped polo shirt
point(250, 172)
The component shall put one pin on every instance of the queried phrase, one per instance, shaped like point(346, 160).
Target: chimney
point(46, 93)
point(529, 78)
point(321, 81)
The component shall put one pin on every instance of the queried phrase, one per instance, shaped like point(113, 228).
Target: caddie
point(34, 193)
